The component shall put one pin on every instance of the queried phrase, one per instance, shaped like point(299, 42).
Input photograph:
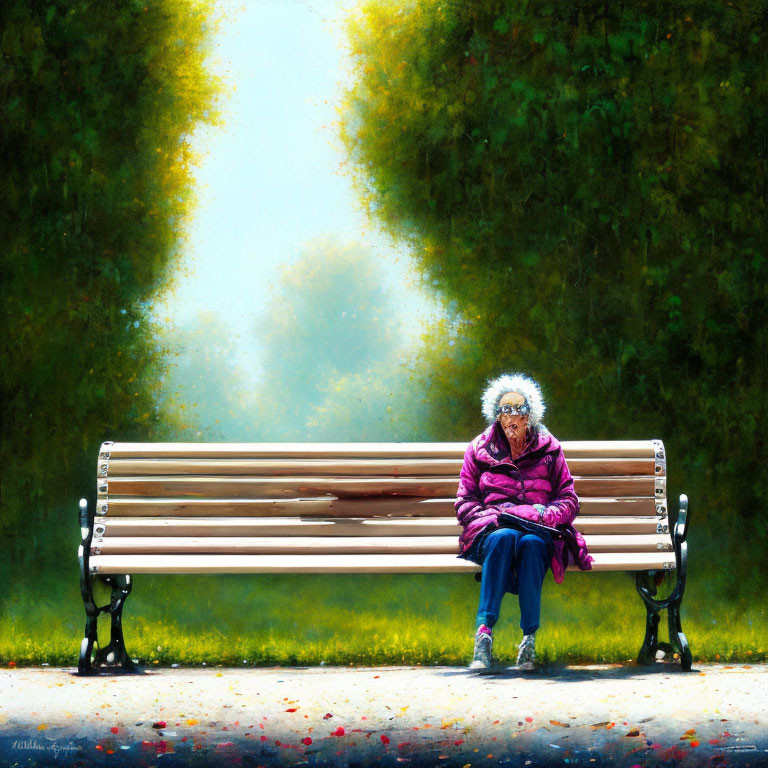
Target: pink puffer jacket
point(491, 482)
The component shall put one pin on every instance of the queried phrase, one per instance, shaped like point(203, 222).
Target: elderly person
point(515, 466)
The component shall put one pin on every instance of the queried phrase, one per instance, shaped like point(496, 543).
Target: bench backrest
point(345, 507)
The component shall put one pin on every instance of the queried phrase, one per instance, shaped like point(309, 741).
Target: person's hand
point(526, 511)
point(542, 510)
point(553, 516)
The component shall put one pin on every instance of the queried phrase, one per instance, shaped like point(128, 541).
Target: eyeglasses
point(521, 410)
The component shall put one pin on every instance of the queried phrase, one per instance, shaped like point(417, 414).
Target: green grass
point(365, 620)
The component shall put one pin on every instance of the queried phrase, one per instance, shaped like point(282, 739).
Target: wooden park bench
point(348, 508)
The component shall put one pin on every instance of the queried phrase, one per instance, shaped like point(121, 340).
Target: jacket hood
point(491, 446)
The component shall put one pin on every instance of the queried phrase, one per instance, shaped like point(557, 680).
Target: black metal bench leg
point(647, 591)
point(676, 636)
point(677, 640)
point(651, 641)
point(114, 653)
point(84, 665)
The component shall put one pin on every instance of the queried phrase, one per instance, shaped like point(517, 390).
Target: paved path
point(412, 716)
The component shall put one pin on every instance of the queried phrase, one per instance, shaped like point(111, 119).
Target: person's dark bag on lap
point(508, 520)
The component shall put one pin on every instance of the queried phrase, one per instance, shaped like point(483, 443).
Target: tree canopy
point(586, 182)
point(97, 100)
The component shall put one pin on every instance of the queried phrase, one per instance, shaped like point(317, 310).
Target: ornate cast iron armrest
point(681, 547)
point(681, 526)
point(83, 555)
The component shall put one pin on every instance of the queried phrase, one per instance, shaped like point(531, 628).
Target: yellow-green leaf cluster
point(97, 103)
point(585, 184)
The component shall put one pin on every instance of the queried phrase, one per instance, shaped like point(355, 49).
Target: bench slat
point(285, 450)
point(386, 467)
point(285, 487)
point(278, 545)
point(591, 467)
point(621, 525)
point(291, 487)
point(635, 507)
point(399, 563)
point(333, 507)
point(349, 467)
point(294, 526)
point(286, 526)
point(338, 544)
point(571, 448)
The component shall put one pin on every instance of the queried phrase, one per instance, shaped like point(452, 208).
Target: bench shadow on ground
point(555, 672)
point(116, 672)
point(562, 673)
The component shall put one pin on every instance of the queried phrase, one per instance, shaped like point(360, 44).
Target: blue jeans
point(515, 562)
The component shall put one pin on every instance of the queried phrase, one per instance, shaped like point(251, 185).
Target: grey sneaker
point(482, 659)
point(526, 654)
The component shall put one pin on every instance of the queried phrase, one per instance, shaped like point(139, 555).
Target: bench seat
point(334, 545)
point(416, 562)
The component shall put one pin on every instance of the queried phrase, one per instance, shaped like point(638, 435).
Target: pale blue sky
point(270, 180)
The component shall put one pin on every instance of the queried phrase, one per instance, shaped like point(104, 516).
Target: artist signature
point(57, 749)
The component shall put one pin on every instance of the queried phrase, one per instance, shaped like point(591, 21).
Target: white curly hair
point(523, 385)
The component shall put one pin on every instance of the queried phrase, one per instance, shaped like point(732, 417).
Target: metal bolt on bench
point(349, 508)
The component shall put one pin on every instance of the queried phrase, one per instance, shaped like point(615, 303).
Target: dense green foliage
point(96, 101)
point(586, 183)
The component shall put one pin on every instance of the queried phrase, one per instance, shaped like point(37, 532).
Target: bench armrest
point(681, 526)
